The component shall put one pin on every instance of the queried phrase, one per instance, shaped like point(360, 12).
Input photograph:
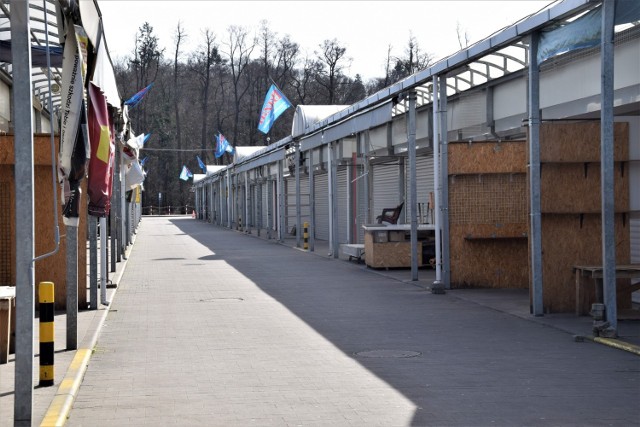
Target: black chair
point(390, 215)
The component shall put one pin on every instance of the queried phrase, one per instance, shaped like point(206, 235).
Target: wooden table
point(7, 321)
point(595, 273)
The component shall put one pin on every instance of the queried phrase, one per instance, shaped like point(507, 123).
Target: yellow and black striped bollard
point(306, 236)
point(47, 302)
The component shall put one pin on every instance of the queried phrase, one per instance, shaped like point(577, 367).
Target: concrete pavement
point(213, 327)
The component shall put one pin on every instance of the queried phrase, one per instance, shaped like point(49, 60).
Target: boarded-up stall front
point(53, 268)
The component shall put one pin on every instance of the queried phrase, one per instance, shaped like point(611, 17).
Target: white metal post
point(606, 167)
point(436, 180)
point(534, 178)
point(103, 260)
point(24, 207)
point(413, 188)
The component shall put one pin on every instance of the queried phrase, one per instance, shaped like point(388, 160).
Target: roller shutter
point(385, 188)
point(322, 206)
point(343, 201)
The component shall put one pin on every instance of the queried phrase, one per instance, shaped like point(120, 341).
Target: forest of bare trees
point(220, 87)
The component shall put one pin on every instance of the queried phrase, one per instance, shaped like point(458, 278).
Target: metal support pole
point(103, 261)
point(367, 178)
point(413, 187)
point(298, 198)
point(281, 205)
point(24, 207)
point(269, 208)
point(534, 177)
point(444, 180)
point(117, 207)
point(436, 183)
point(259, 205)
point(72, 286)
point(333, 205)
point(606, 167)
point(93, 262)
point(247, 195)
point(350, 200)
point(228, 199)
point(312, 201)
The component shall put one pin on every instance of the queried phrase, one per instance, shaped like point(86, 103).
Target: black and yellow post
point(306, 236)
point(47, 302)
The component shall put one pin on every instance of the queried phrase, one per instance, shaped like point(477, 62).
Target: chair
point(390, 215)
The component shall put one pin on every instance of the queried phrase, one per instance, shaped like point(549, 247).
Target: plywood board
point(390, 254)
point(571, 239)
point(486, 157)
point(580, 142)
point(575, 187)
point(52, 268)
point(487, 263)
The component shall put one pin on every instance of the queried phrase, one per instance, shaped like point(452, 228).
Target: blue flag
point(275, 103)
point(202, 165)
point(222, 145)
point(146, 138)
point(143, 161)
point(135, 99)
point(185, 174)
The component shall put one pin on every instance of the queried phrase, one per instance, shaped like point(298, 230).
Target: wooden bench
point(595, 273)
point(7, 321)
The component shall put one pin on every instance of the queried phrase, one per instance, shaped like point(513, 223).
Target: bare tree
point(179, 36)
point(463, 36)
point(239, 48)
point(332, 56)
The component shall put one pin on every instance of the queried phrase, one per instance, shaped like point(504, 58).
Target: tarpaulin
point(102, 154)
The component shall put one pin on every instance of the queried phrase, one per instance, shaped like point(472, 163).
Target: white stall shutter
point(322, 205)
point(385, 188)
point(343, 201)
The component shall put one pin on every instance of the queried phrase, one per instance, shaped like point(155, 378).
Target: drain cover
point(221, 299)
point(388, 353)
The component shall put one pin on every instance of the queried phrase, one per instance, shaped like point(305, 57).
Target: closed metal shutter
point(321, 184)
point(343, 201)
point(361, 210)
point(424, 184)
point(385, 188)
point(265, 205)
point(290, 188)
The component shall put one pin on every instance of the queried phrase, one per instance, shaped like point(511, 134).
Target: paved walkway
point(213, 327)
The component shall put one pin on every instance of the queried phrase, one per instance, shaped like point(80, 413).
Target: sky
point(365, 28)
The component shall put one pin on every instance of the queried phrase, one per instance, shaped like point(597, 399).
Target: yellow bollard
point(47, 302)
point(306, 236)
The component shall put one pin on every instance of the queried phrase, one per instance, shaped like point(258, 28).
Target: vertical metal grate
point(5, 234)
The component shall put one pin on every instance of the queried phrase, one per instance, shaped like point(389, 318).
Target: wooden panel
point(571, 239)
point(52, 268)
point(487, 157)
point(487, 263)
point(580, 142)
point(388, 255)
point(575, 188)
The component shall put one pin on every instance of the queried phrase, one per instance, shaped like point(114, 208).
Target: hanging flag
point(275, 103)
point(185, 174)
point(102, 154)
point(222, 145)
point(135, 99)
point(74, 142)
point(202, 165)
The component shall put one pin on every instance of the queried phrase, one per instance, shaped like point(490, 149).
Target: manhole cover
point(388, 353)
point(221, 299)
